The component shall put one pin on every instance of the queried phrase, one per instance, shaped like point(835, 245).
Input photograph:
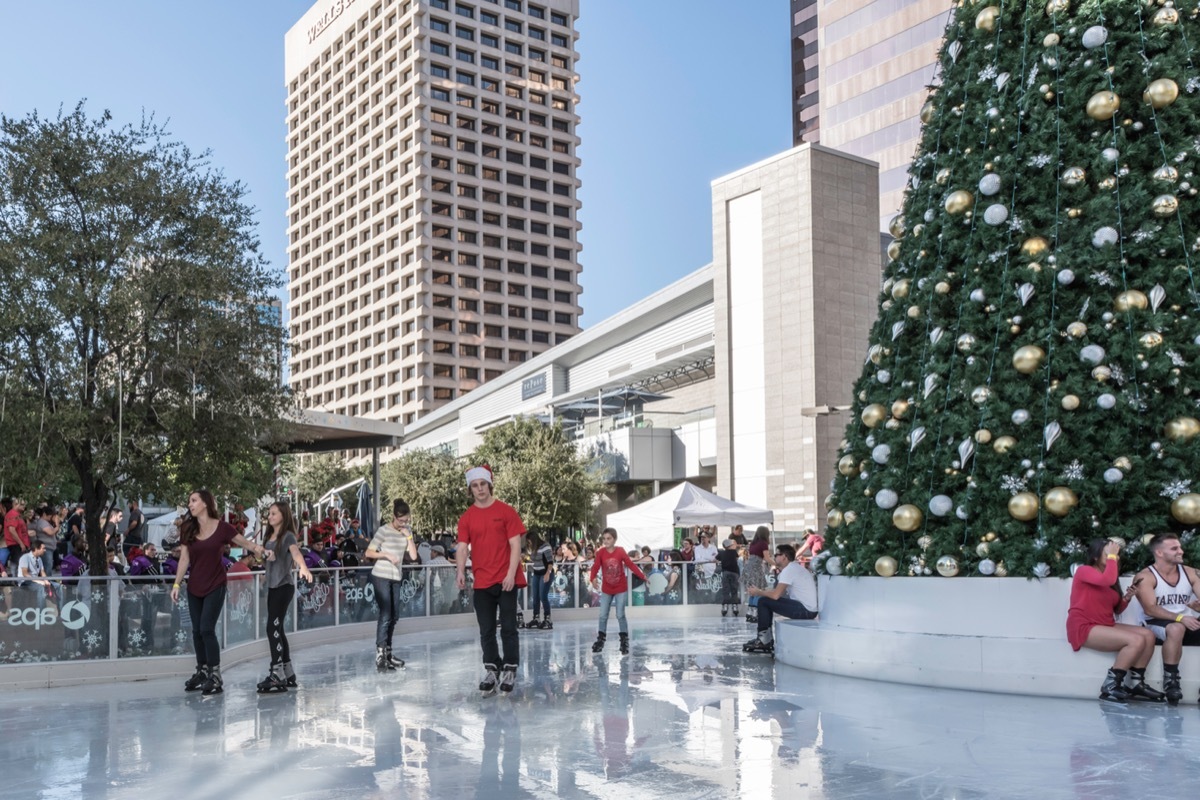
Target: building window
point(513, 47)
point(439, 48)
point(558, 19)
point(465, 55)
point(493, 331)
point(438, 71)
point(468, 350)
point(537, 33)
point(440, 393)
point(465, 11)
point(495, 353)
point(541, 337)
point(489, 63)
point(513, 5)
point(512, 25)
point(439, 25)
point(488, 18)
point(464, 33)
point(563, 318)
point(468, 373)
point(537, 12)
point(558, 40)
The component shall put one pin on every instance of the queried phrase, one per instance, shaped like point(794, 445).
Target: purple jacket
point(72, 566)
point(142, 565)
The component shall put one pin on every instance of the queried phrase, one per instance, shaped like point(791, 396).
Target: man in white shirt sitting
point(794, 596)
point(706, 554)
point(31, 572)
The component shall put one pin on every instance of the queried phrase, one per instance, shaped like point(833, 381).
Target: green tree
point(313, 476)
point(1031, 377)
point(134, 334)
point(431, 482)
point(540, 473)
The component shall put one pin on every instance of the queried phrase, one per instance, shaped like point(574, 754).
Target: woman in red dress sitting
point(1096, 599)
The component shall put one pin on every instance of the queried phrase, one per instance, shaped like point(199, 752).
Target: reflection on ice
point(686, 715)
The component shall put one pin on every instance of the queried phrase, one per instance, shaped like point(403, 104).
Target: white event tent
point(652, 523)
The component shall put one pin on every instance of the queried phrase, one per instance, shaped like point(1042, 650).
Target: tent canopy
point(652, 523)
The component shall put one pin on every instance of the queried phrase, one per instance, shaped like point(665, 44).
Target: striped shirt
point(389, 541)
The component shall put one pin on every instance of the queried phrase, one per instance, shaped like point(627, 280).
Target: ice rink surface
point(686, 715)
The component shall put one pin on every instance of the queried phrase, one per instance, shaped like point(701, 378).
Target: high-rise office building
point(806, 118)
point(876, 59)
point(432, 197)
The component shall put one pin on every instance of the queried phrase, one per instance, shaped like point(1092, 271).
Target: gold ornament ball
point(1023, 506)
point(1186, 508)
point(885, 566)
point(983, 436)
point(1165, 18)
point(1161, 93)
point(1165, 174)
point(873, 415)
point(1060, 500)
point(1026, 360)
point(985, 20)
point(1034, 246)
point(899, 408)
point(907, 517)
point(1076, 329)
point(947, 566)
point(981, 549)
point(1101, 373)
point(918, 229)
point(848, 466)
point(990, 536)
point(1130, 299)
point(1051, 40)
point(1165, 205)
point(828, 501)
point(980, 395)
point(1181, 429)
point(1004, 443)
point(914, 312)
point(1123, 463)
point(1001, 570)
point(927, 113)
point(896, 226)
point(900, 289)
point(1070, 402)
point(959, 201)
point(893, 250)
point(1103, 105)
point(1058, 6)
point(1108, 183)
point(942, 176)
point(834, 518)
point(942, 287)
point(1151, 339)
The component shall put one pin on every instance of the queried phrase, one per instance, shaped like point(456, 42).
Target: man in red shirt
point(16, 533)
point(492, 530)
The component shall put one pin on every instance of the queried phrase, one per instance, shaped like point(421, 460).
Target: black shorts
point(1159, 626)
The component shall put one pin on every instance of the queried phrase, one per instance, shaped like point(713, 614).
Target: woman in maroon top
point(755, 573)
point(203, 536)
point(1096, 599)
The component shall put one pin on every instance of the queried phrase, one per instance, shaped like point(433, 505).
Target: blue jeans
point(387, 598)
point(784, 607)
point(4, 556)
point(607, 601)
point(539, 591)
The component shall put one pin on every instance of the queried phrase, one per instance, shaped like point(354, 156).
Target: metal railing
point(89, 618)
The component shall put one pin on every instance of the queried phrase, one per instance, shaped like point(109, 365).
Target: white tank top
point(1174, 598)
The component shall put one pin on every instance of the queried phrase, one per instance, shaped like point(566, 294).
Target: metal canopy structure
point(321, 432)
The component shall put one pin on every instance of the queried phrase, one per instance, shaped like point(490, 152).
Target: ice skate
point(394, 662)
point(1172, 689)
point(1112, 691)
point(598, 645)
point(196, 682)
point(491, 679)
point(382, 663)
point(508, 677)
point(214, 684)
point(273, 683)
point(624, 643)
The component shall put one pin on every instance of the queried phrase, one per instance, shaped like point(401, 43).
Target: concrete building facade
point(877, 58)
point(734, 377)
point(432, 198)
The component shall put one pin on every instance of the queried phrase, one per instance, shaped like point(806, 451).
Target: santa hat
point(482, 472)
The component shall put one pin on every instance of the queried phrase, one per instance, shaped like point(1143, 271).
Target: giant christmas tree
point(1033, 380)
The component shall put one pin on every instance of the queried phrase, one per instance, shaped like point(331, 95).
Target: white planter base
point(1004, 635)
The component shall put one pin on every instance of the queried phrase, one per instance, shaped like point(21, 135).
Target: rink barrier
point(99, 630)
point(1004, 635)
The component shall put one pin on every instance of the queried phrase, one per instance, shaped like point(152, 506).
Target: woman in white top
point(387, 550)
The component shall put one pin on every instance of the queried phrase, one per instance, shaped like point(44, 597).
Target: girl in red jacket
point(1096, 599)
point(614, 587)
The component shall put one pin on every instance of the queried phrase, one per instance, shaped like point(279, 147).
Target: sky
point(673, 94)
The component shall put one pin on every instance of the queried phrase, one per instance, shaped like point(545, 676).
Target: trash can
point(639, 596)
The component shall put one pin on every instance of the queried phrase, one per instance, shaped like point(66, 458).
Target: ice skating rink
point(686, 715)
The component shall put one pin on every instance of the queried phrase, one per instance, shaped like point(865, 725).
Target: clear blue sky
point(674, 93)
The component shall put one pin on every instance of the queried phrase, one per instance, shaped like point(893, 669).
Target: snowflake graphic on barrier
point(97, 596)
point(136, 639)
point(92, 640)
point(181, 637)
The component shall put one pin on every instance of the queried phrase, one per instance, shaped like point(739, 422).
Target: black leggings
point(279, 600)
point(204, 612)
